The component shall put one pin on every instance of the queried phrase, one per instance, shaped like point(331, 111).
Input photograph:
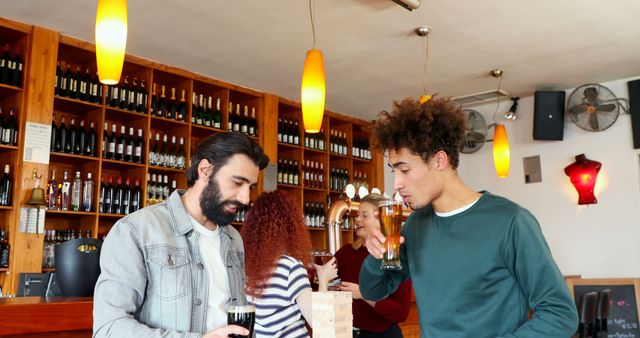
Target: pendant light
point(111, 39)
point(424, 32)
point(313, 90)
point(501, 152)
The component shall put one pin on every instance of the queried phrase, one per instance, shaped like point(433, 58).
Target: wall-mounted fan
point(593, 107)
point(476, 133)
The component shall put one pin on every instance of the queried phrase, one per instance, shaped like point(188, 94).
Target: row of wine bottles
point(72, 140)
point(54, 237)
point(119, 198)
point(288, 171)
point(77, 85)
point(163, 154)
point(170, 109)
point(360, 148)
point(202, 112)
point(122, 147)
point(313, 174)
point(314, 214)
point(158, 189)
point(11, 66)
point(246, 124)
point(338, 142)
point(127, 96)
point(288, 131)
point(338, 179)
point(315, 141)
point(5, 249)
point(8, 127)
point(67, 195)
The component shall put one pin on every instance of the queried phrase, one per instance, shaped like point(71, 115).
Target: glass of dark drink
point(242, 315)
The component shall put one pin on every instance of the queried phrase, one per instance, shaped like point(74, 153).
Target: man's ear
point(204, 169)
point(442, 160)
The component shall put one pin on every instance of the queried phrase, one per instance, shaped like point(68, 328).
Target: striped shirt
point(277, 313)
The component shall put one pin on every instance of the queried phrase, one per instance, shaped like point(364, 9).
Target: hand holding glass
point(390, 214)
point(242, 315)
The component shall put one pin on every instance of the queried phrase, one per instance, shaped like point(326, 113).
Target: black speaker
point(548, 115)
point(634, 110)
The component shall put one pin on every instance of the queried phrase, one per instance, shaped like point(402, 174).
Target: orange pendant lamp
point(111, 39)
point(313, 89)
point(501, 152)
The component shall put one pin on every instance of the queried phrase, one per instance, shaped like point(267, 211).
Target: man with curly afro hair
point(478, 262)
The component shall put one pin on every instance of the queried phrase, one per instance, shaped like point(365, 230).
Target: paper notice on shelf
point(37, 142)
point(32, 220)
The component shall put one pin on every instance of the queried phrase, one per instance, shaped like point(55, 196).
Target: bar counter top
point(46, 317)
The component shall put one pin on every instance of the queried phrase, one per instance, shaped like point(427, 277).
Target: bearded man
point(172, 269)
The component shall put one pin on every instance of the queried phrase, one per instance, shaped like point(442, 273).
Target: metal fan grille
point(593, 107)
point(476, 132)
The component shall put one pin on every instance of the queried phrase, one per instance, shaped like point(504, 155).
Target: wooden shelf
point(121, 164)
point(8, 147)
point(161, 121)
point(69, 212)
point(315, 229)
point(291, 186)
point(311, 150)
point(357, 159)
point(105, 215)
point(167, 170)
point(288, 145)
point(4, 269)
point(60, 157)
point(6, 207)
point(6, 90)
point(339, 156)
point(202, 131)
point(315, 189)
point(122, 115)
point(73, 106)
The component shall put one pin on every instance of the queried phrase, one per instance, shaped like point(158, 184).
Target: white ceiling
point(372, 55)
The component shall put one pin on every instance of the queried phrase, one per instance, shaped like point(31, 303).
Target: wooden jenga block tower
point(332, 317)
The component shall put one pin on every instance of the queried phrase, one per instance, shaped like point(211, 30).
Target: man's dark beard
point(214, 208)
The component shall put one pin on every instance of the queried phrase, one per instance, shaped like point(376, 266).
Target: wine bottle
point(105, 143)
point(244, 121)
point(62, 135)
point(85, 86)
point(253, 124)
point(123, 99)
point(53, 192)
point(132, 105)
point(81, 140)
point(126, 197)
point(65, 192)
point(217, 116)
point(108, 196)
point(120, 144)
point(117, 197)
point(237, 119)
point(182, 107)
point(58, 79)
point(171, 153)
point(128, 151)
point(5, 187)
point(207, 119)
point(87, 194)
point(76, 192)
point(103, 190)
point(154, 101)
point(137, 154)
point(162, 103)
point(73, 137)
point(173, 106)
point(111, 151)
point(142, 98)
point(54, 133)
point(10, 129)
point(136, 196)
point(90, 144)
point(73, 83)
point(17, 65)
point(194, 107)
point(180, 155)
point(230, 117)
point(5, 59)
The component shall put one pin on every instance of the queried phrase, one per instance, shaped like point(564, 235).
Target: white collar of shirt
point(457, 211)
point(202, 230)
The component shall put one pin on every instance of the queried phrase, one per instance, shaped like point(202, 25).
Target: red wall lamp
point(583, 174)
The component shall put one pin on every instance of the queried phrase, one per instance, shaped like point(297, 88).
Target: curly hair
point(274, 226)
point(424, 129)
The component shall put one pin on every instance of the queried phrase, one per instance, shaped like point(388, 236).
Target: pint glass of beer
point(390, 213)
point(242, 315)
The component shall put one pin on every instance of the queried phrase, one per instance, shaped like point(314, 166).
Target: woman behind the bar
point(370, 319)
point(277, 248)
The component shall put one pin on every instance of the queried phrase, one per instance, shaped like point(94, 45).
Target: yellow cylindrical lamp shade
point(501, 153)
point(111, 39)
point(313, 91)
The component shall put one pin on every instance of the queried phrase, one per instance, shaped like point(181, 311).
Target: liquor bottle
point(137, 153)
point(96, 89)
point(65, 192)
point(253, 123)
point(128, 152)
point(182, 107)
point(237, 118)
point(194, 107)
point(76, 192)
point(162, 153)
point(5, 249)
point(244, 121)
point(200, 111)
point(230, 117)
point(180, 155)
point(5, 59)
point(53, 192)
point(58, 78)
point(120, 144)
point(113, 96)
point(135, 196)
point(217, 116)
point(111, 150)
point(162, 104)
point(72, 83)
point(154, 101)
point(170, 153)
point(123, 100)
point(280, 130)
point(132, 103)
point(118, 193)
point(81, 140)
point(208, 114)
point(66, 81)
point(105, 142)
point(126, 197)
point(108, 196)
point(76, 83)
point(141, 106)
point(90, 143)
point(87, 194)
point(172, 109)
point(17, 68)
point(296, 132)
point(103, 190)
point(73, 137)
point(153, 152)
point(85, 86)
point(5, 187)
point(11, 128)
point(62, 135)
point(151, 188)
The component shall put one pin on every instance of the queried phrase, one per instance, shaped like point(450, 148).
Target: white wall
point(596, 241)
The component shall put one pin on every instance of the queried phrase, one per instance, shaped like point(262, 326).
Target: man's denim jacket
point(153, 282)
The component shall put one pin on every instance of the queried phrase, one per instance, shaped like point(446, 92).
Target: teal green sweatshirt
point(477, 274)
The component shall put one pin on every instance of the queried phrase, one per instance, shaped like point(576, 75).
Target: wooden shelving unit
point(39, 100)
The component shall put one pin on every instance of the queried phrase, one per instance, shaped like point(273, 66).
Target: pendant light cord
point(426, 59)
point(313, 25)
point(498, 102)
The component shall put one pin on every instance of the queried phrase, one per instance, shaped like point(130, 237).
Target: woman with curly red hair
point(278, 247)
